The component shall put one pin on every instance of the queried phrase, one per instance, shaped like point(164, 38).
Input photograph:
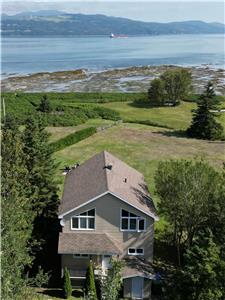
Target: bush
point(67, 288)
point(72, 138)
point(90, 288)
point(44, 105)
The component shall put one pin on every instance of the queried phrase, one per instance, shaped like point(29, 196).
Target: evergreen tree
point(45, 105)
point(204, 269)
point(43, 194)
point(17, 215)
point(67, 288)
point(90, 289)
point(204, 125)
point(156, 93)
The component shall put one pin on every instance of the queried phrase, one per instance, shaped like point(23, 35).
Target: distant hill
point(53, 22)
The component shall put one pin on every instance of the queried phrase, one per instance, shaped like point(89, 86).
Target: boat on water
point(117, 36)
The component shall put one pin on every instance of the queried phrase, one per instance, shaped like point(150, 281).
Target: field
point(141, 146)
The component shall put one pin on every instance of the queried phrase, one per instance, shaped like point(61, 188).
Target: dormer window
point(132, 222)
point(84, 221)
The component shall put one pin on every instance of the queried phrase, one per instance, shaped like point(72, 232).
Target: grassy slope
point(141, 147)
point(57, 133)
point(178, 117)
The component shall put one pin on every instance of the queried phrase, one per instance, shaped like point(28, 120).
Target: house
point(106, 211)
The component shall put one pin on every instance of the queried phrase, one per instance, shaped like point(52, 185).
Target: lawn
point(142, 147)
point(57, 133)
point(178, 117)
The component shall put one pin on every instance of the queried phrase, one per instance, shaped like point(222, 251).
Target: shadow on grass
point(58, 293)
point(141, 104)
point(175, 133)
point(77, 294)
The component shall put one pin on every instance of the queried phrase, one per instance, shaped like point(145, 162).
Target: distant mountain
point(53, 22)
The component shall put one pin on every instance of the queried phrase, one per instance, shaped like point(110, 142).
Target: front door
point(106, 261)
point(137, 287)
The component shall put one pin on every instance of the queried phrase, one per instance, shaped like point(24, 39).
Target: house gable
point(103, 194)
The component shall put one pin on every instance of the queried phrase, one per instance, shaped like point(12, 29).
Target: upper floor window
point(132, 222)
point(85, 220)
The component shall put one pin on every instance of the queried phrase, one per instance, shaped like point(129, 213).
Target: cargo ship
point(117, 36)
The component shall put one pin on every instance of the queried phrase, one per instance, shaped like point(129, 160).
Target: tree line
point(192, 201)
point(29, 224)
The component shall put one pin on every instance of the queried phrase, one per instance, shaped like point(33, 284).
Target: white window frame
point(137, 218)
point(136, 254)
point(82, 217)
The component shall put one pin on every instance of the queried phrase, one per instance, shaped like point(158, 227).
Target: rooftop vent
point(109, 167)
point(125, 180)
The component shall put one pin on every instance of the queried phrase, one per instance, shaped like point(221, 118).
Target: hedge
point(72, 138)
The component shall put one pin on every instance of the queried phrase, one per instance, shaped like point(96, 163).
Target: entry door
point(137, 287)
point(106, 261)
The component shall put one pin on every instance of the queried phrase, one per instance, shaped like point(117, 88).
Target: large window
point(85, 220)
point(135, 251)
point(132, 222)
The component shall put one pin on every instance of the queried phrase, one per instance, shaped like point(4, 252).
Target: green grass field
point(178, 117)
point(142, 147)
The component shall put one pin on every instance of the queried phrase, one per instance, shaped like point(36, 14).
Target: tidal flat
point(131, 79)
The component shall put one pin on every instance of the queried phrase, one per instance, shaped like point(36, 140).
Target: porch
point(77, 249)
point(77, 264)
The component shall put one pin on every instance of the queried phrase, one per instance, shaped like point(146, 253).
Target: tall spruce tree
point(43, 194)
point(204, 125)
point(17, 215)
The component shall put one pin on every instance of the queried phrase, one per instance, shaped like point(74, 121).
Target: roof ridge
point(105, 169)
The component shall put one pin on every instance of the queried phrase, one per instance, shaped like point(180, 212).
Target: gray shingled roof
point(137, 266)
point(92, 179)
point(87, 243)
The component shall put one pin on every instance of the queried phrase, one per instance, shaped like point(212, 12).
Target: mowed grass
point(178, 117)
point(142, 147)
point(57, 133)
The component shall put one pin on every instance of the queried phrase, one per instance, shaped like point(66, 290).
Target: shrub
point(67, 288)
point(90, 288)
point(44, 105)
point(72, 138)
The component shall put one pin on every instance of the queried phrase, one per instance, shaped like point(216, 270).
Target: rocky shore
point(132, 79)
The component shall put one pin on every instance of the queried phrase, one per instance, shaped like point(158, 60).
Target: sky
point(147, 10)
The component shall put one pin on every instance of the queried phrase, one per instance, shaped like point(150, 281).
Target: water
point(41, 54)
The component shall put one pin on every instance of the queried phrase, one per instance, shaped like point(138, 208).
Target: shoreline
point(124, 79)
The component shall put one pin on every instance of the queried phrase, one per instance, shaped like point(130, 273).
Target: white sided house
point(106, 211)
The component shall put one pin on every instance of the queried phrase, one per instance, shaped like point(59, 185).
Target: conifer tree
point(17, 215)
point(90, 288)
point(43, 193)
point(67, 288)
point(204, 125)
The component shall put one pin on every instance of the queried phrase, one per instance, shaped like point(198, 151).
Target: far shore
point(131, 79)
